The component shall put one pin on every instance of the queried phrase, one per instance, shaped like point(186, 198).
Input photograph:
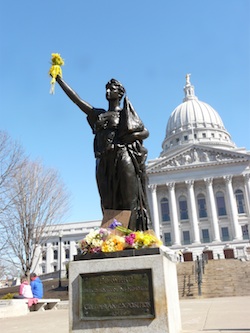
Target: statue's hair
point(118, 85)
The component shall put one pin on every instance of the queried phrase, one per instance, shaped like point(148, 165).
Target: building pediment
point(196, 156)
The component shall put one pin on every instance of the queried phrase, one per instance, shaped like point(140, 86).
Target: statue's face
point(112, 92)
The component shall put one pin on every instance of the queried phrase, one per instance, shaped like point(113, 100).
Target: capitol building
point(199, 187)
point(198, 191)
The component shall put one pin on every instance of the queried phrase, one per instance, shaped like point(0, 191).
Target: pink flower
point(95, 249)
point(130, 239)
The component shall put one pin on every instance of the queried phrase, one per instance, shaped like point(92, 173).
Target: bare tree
point(11, 156)
point(38, 199)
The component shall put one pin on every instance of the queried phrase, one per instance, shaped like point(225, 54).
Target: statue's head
point(114, 84)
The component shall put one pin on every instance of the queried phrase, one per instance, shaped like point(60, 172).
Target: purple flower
point(115, 224)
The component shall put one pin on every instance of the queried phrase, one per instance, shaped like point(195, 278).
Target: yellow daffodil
point(55, 69)
point(113, 243)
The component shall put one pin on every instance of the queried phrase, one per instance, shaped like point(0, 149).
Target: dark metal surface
point(117, 295)
point(119, 152)
point(118, 254)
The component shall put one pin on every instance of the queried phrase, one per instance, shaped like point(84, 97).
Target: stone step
point(229, 277)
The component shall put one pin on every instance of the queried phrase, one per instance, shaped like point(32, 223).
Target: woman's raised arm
point(84, 106)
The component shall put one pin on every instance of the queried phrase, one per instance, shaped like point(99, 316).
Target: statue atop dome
point(189, 89)
point(188, 79)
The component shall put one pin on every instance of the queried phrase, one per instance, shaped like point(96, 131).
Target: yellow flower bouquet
point(55, 69)
point(106, 240)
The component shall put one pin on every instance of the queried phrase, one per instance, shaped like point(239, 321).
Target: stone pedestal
point(133, 291)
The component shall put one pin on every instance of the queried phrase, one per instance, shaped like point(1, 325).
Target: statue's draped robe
point(120, 166)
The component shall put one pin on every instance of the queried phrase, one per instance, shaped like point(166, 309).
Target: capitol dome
point(195, 122)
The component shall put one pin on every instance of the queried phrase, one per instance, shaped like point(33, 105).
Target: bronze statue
point(119, 152)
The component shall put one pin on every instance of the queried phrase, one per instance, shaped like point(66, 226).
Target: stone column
point(62, 249)
point(247, 186)
point(174, 214)
point(72, 250)
point(233, 208)
point(193, 214)
point(156, 219)
point(212, 206)
point(49, 257)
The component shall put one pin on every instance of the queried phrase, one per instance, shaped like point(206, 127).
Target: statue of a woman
point(119, 152)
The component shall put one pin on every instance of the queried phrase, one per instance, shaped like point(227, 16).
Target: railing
point(200, 270)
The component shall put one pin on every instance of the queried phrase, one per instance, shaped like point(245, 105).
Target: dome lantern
point(189, 90)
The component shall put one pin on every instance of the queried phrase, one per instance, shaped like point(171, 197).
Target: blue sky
point(148, 45)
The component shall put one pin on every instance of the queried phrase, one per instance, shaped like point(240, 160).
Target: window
point(225, 234)
point(67, 254)
point(203, 135)
point(55, 243)
point(245, 233)
point(221, 207)
point(44, 255)
point(205, 236)
point(185, 137)
point(183, 208)
point(66, 242)
point(202, 207)
point(212, 135)
point(55, 268)
point(167, 239)
point(177, 140)
point(55, 254)
point(43, 270)
point(240, 201)
point(165, 210)
point(186, 237)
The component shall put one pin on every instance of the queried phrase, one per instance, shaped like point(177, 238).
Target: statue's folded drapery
point(120, 162)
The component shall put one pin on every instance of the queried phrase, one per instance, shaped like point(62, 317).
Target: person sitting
point(36, 286)
point(25, 289)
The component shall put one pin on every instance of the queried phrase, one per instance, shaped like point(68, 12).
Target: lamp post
point(60, 259)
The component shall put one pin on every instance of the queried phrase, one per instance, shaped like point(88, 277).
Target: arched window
point(221, 206)
point(240, 201)
point(202, 207)
point(55, 254)
point(183, 208)
point(165, 210)
point(67, 254)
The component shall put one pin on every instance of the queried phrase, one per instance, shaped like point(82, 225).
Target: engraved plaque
point(116, 295)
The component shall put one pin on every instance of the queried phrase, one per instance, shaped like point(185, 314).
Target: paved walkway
point(227, 315)
point(211, 315)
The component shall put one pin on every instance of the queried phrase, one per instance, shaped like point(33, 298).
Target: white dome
point(196, 122)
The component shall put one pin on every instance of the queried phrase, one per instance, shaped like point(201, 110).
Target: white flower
point(97, 242)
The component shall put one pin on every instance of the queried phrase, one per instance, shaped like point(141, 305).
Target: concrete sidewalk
point(211, 315)
point(229, 314)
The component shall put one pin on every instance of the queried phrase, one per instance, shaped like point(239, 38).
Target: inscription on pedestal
point(116, 295)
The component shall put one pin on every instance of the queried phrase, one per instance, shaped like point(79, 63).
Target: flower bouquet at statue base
point(117, 238)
